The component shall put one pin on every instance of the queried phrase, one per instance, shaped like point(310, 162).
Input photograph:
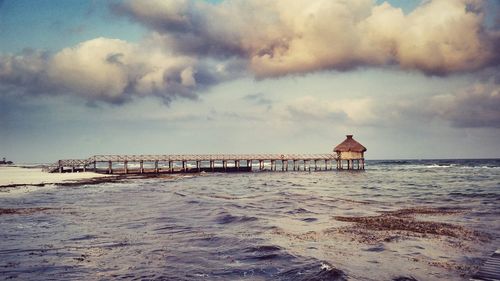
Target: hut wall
point(347, 155)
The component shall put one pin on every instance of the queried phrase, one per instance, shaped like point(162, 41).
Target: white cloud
point(280, 37)
point(111, 70)
point(96, 68)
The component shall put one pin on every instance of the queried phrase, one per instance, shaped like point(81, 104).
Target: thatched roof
point(349, 144)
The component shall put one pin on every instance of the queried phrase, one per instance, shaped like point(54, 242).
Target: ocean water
point(259, 226)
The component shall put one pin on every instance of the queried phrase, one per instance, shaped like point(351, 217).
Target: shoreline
point(15, 176)
point(19, 176)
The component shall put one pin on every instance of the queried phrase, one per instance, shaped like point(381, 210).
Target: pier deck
point(196, 163)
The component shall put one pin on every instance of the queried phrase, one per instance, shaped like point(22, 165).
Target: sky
point(409, 79)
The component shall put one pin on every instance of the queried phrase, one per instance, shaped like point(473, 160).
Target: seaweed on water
point(22, 211)
point(423, 211)
point(394, 223)
point(403, 220)
point(404, 278)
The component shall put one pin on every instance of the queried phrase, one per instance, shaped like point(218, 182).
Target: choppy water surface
point(253, 226)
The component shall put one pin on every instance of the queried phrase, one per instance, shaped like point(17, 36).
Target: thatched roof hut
point(349, 144)
point(352, 152)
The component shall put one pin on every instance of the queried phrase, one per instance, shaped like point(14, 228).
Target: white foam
point(325, 266)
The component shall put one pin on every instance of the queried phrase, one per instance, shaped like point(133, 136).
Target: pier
point(349, 152)
point(141, 164)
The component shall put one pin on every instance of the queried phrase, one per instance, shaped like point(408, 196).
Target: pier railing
point(217, 162)
point(209, 157)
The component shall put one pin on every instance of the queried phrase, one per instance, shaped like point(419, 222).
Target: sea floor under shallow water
point(398, 220)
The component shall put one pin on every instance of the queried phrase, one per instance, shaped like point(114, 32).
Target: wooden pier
point(140, 164)
point(348, 152)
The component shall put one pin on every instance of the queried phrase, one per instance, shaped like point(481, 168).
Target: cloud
point(281, 37)
point(24, 72)
point(76, 30)
point(356, 111)
point(109, 70)
point(194, 45)
point(477, 106)
point(259, 99)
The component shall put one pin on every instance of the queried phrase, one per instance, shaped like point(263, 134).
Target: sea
point(397, 220)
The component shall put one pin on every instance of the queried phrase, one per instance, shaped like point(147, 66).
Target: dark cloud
point(183, 25)
point(114, 58)
point(478, 106)
point(24, 73)
point(109, 70)
point(76, 30)
point(259, 99)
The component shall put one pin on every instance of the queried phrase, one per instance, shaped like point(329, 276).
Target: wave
point(436, 163)
point(228, 218)
point(313, 271)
